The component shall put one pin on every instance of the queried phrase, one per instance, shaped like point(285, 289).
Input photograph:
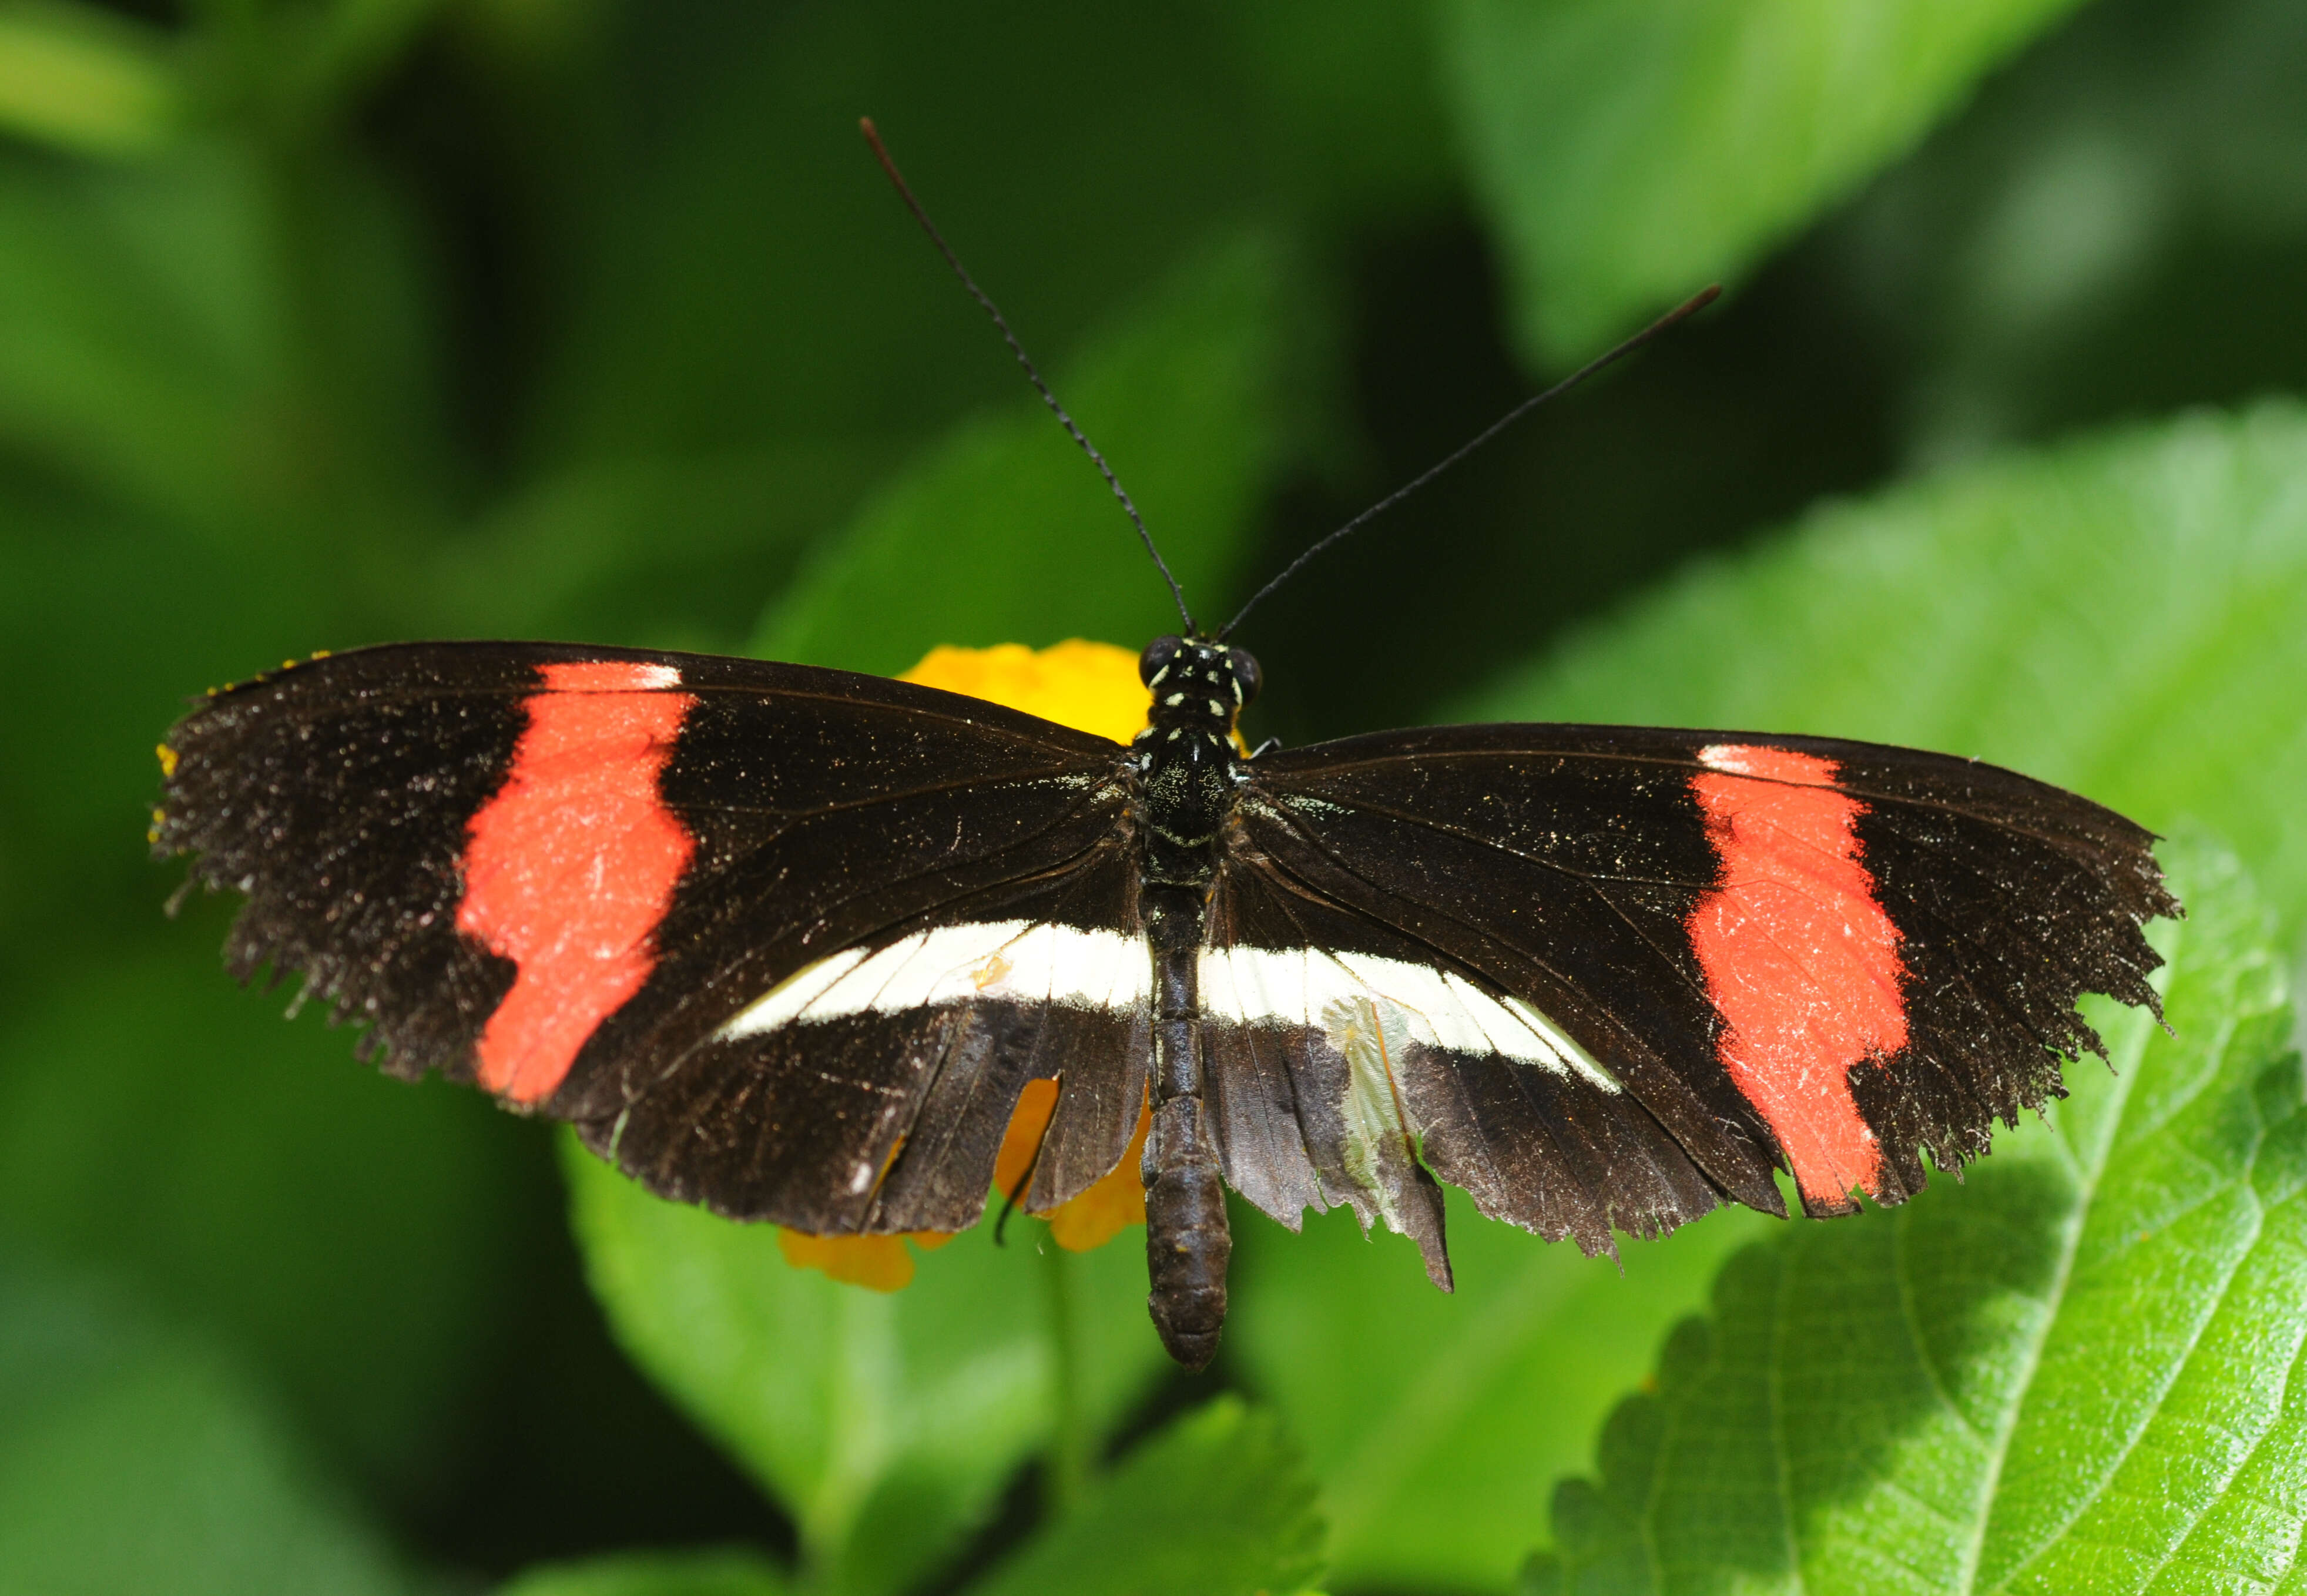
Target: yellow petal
point(1097, 1215)
point(1108, 1207)
point(1090, 687)
point(1029, 1122)
point(877, 1263)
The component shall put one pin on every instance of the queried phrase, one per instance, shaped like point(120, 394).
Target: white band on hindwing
point(1302, 986)
point(1037, 962)
point(1021, 961)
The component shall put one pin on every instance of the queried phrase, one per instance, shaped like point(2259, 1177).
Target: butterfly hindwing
point(870, 1090)
point(1396, 1055)
point(1304, 1059)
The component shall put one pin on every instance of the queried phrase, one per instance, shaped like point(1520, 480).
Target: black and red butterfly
point(791, 943)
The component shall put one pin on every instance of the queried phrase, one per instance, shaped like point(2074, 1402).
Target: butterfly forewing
point(571, 874)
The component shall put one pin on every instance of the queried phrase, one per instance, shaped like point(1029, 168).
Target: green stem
point(1068, 1463)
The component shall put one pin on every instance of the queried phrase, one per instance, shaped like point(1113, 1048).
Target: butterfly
point(793, 943)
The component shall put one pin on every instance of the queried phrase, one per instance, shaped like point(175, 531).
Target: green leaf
point(134, 1460)
point(1220, 1504)
point(198, 338)
point(1432, 1419)
point(742, 272)
point(159, 1122)
point(146, 615)
point(606, 549)
point(348, 46)
point(1350, 103)
point(656, 1573)
point(2125, 616)
point(139, 327)
point(2075, 1370)
point(886, 1424)
point(1005, 534)
point(1630, 150)
point(85, 81)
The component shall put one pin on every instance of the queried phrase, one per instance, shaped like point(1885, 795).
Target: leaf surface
point(1629, 151)
point(655, 1573)
point(1431, 1419)
point(1220, 1504)
point(162, 1125)
point(886, 1424)
point(84, 80)
point(133, 1459)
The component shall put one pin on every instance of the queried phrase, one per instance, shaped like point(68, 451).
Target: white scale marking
point(1016, 960)
point(1031, 961)
point(1294, 986)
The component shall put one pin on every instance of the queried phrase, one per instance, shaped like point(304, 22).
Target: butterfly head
point(1198, 687)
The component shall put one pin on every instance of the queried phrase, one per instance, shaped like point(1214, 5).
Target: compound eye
point(1245, 672)
point(1158, 653)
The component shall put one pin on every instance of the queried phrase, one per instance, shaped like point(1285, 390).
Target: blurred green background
point(329, 321)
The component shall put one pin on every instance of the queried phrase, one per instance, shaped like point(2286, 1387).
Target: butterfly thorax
point(1188, 769)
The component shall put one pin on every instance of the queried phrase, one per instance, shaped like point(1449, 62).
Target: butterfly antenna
point(1689, 307)
point(1033, 375)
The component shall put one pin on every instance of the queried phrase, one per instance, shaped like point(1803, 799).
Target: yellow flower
point(877, 1263)
point(1090, 687)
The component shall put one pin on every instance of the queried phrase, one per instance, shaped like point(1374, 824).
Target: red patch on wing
point(570, 867)
point(1799, 958)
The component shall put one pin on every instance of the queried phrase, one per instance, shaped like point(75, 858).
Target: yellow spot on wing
point(168, 766)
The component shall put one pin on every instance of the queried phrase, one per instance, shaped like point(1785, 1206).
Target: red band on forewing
point(570, 866)
point(1800, 959)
